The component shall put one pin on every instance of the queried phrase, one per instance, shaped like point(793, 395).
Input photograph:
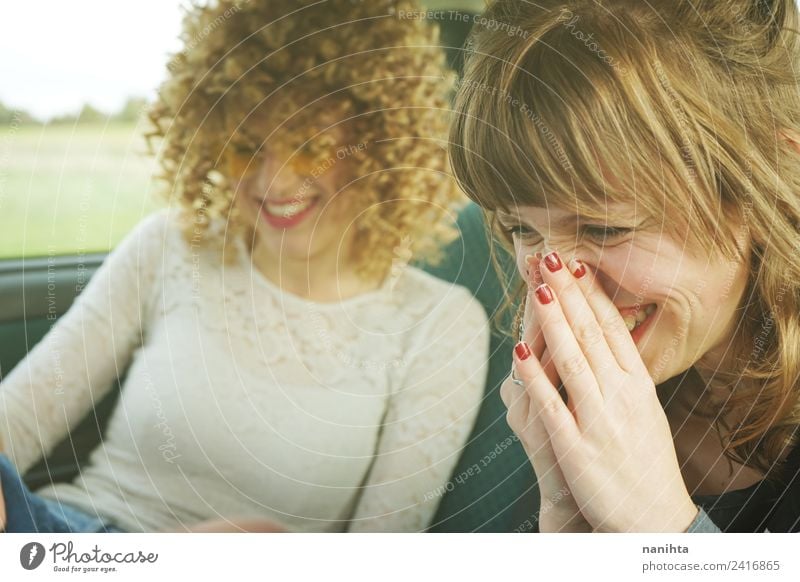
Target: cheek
point(247, 206)
point(650, 270)
point(247, 188)
point(717, 299)
point(335, 217)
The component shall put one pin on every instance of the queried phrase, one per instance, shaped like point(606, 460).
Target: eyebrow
point(506, 217)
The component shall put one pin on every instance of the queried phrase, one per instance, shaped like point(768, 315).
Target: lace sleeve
point(428, 420)
point(76, 362)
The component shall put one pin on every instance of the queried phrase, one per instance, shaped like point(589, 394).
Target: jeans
point(31, 513)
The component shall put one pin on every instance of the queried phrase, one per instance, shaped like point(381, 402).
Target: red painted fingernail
point(544, 294)
point(522, 350)
point(553, 262)
point(578, 268)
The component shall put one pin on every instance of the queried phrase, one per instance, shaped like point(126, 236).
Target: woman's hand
point(611, 440)
point(558, 511)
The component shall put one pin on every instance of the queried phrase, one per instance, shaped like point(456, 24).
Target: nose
point(276, 179)
point(591, 257)
point(572, 250)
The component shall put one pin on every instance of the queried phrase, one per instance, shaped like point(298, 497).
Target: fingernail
point(578, 268)
point(533, 272)
point(522, 350)
point(544, 294)
point(529, 258)
point(553, 262)
point(536, 277)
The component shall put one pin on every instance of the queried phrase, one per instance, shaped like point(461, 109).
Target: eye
point(242, 148)
point(521, 232)
point(604, 234)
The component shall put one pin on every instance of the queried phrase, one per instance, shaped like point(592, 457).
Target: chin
point(665, 365)
point(288, 245)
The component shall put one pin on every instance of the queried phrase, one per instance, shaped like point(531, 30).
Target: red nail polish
point(544, 294)
point(553, 262)
point(580, 270)
point(522, 350)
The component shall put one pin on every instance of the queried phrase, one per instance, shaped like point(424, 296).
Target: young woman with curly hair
point(641, 161)
point(287, 369)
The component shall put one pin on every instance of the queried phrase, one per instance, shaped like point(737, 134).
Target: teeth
point(633, 321)
point(288, 210)
point(630, 322)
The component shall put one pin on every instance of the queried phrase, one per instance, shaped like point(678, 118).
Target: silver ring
point(516, 380)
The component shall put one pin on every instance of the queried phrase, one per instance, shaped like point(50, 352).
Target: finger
point(573, 368)
point(533, 333)
point(509, 390)
point(579, 315)
point(552, 374)
point(547, 403)
point(523, 418)
point(607, 315)
point(528, 425)
point(549, 367)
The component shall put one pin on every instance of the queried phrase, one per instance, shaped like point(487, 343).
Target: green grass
point(72, 189)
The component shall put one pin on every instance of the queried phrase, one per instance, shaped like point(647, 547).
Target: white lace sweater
point(241, 400)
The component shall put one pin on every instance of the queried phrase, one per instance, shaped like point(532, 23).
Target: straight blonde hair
point(684, 103)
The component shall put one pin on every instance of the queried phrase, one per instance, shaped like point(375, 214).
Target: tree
point(14, 116)
point(131, 111)
point(89, 114)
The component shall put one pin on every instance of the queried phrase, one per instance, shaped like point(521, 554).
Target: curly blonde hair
point(684, 103)
point(382, 76)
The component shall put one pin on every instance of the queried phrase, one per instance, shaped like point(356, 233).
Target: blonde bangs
point(548, 123)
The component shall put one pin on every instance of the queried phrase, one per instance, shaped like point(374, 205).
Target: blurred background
point(74, 175)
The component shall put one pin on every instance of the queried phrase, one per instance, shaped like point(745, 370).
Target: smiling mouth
point(634, 320)
point(290, 208)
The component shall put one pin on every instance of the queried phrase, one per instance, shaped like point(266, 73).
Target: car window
point(72, 188)
point(74, 176)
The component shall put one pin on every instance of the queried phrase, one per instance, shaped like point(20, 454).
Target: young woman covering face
point(641, 161)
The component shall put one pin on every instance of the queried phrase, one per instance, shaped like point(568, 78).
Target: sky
point(56, 55)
